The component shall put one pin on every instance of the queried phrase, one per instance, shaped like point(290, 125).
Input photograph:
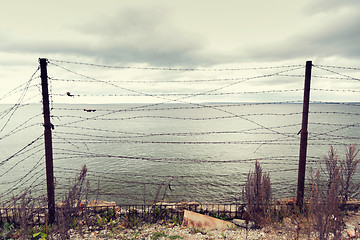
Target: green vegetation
point(7, 230)
point(221, 216)
point(39, 235)
point(159, 234)
point(176, 219)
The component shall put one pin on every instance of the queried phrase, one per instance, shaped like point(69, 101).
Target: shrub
point(345, 168)
point(73, 203)
point(348, 167)
point(257, 195)
point(324, 206)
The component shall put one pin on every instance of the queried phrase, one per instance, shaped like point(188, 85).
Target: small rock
point(242, 223)
point(349, 226)
point(267, 230)
point(352, 233)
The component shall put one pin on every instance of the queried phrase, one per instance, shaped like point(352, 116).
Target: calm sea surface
point(198, 152)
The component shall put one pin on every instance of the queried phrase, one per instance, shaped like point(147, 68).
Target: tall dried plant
point(257, 195)
point(23, 213)
point(346, 167)
point(324, 206)
point(74, 201)
point(331, 164)
point(349, 168)
point(325, 199)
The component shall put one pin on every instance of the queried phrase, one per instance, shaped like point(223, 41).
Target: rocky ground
point(171, 231)
point(156, 231)
point(115, 229)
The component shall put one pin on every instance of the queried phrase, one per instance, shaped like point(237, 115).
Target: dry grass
point(324, 207)
point(348, 167)
point(72, 205)
point(322, 215)
point(257, 195)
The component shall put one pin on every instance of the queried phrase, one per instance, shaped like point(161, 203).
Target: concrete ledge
point(192, 219)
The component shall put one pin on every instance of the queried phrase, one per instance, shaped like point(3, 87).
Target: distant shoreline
point(190, 103)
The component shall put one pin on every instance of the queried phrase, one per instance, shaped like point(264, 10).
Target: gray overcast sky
point(177, 33)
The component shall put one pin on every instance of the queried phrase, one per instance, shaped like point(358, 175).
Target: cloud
point(133, 35)
point(151, 35)
point(329, 35)
point(144, 35)
point(326, 6)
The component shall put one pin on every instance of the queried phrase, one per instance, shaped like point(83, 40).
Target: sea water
point(138, 153)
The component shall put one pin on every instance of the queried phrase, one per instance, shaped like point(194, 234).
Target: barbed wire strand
point(22, 149)
point(16, 105)
point(213, 90)
point(280, 140)
point(180, 94)
point(19, 88)
point(337, 73)
point(172, 69)
point(338, 67)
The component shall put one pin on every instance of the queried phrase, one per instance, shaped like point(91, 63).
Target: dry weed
point(257, 195)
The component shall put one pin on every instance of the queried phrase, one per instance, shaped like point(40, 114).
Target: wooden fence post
point(304, 137)
point(48, 141)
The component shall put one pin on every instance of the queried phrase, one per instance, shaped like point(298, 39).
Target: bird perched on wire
point(69, 94)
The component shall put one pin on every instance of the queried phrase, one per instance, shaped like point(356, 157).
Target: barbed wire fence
point(186, 134)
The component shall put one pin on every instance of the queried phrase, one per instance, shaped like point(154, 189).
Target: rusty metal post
point(48, 141)
point(304, 137)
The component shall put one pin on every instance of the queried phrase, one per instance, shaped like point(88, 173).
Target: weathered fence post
point(304, 137)
point(48, 141)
